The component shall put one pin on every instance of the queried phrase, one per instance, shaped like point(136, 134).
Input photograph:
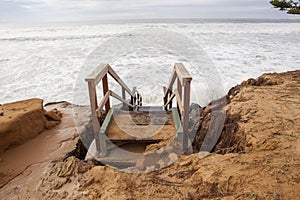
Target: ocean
point(50, 61)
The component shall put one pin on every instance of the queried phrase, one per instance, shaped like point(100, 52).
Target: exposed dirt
point(257, 156)
point(23, 120)
point(23, 167)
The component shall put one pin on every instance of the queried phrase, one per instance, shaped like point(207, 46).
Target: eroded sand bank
point(257, 157)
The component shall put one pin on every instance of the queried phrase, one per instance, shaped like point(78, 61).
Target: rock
point(195, 119)
point(195, 115)
point(17, 126)
point(53, 118)
point(84, 167)
point(68, 167)
point(53, 115)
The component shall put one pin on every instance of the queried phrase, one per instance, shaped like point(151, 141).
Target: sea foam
point(47, 61)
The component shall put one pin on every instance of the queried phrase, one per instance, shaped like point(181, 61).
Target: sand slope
point(264, 116)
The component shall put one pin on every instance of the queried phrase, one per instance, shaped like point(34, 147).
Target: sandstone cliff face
point(20, 121)
point(23, 120)
point(247, 108)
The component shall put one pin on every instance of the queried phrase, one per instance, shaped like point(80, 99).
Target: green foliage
point(293, 7)
point(283, 5)
point(294, 11)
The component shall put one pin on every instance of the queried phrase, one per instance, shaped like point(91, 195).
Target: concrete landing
point(122, 156)
point(126, 134)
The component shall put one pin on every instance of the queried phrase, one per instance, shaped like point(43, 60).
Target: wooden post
point(124, 96)
point(165, 97)
point(105, 89)
point(170, 94)
point(94, 106)
point(185, 120)
point(179, 89)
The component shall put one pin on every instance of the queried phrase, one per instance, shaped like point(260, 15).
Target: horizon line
point(161, 20)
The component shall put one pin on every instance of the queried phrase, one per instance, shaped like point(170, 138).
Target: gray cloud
point(65, 10)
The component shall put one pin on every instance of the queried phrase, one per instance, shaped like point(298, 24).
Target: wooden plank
point(119, 80)
point(97, 74)
point(185, 117)
point(165, 97)
point(179, 90)
point(182, 73)
point(179, 102)
point(103, 103)
point(93, 102)
point(173, 78)
point(125, 127)
point(212, 136)
point(123, 96)
point(105, 90)
point(102, 133)
point(170, 105)
point(178, 124)
point(120, 99)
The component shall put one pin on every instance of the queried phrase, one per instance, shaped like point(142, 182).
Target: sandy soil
point(257, 157)
point(20, 121)
point(23, 167)
point(23, 120)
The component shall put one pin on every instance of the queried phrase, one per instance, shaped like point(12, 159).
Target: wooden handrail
point(120, 98)
point(106, 98)
point(103, 102)
point(179, 102)
point(184, 79)
point(119, 80)
point(93, 79)
point(97, 75)
point(101, 74)
point(171, 83)
point(182, 73)
point(170, 99)
point(178, 99)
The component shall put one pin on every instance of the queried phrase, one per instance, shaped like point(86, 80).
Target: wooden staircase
point(135, 123)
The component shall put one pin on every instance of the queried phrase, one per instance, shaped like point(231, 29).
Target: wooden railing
point(93, 80)
point(184, 79)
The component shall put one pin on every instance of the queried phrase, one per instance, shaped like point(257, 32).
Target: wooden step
point(141, 126)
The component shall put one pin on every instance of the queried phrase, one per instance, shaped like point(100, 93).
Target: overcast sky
point(83, 10)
